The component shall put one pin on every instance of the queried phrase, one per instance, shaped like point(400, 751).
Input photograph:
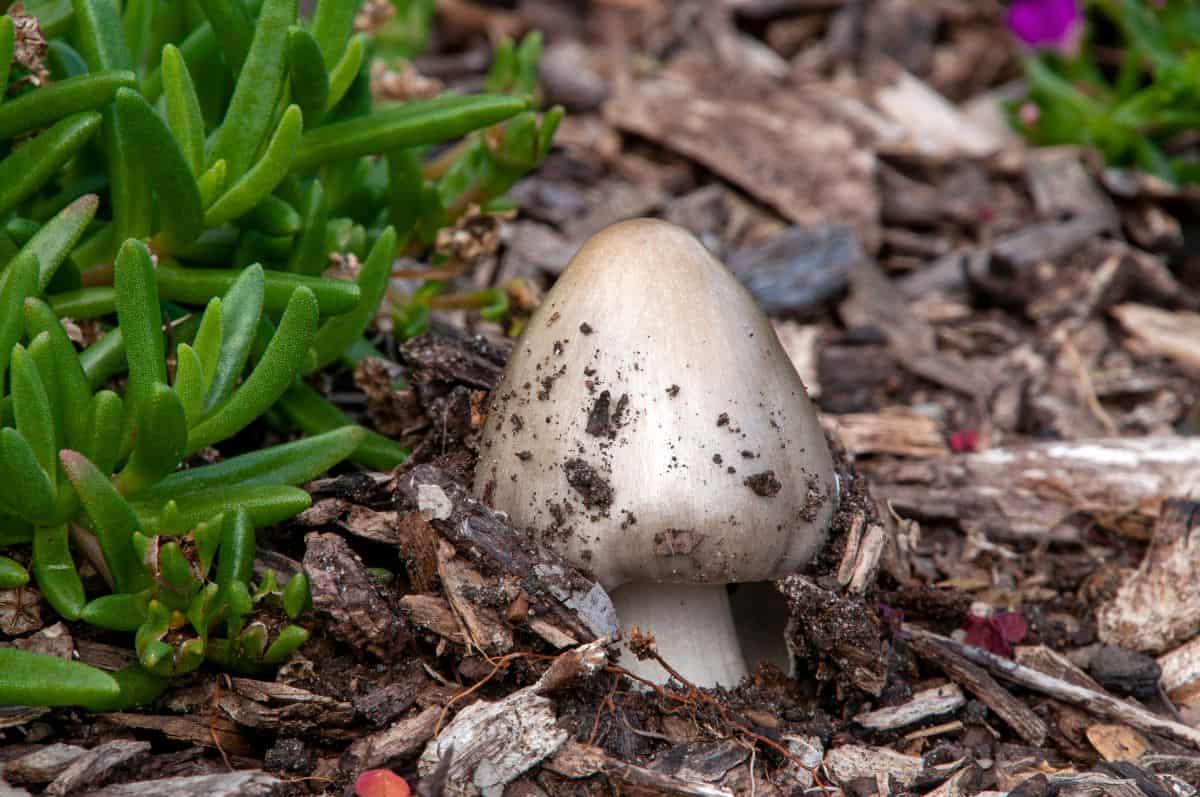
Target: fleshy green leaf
point(29, 168)
point(332, 23)
point(162, 432)
point(196, 285)
point(276, 370)
point(337, 333)
point(112, 519)
point(74, 391)
point(289, 463)
point(189, 383)
point(140, 317)
point(46, 105)
point(57, 237)
point(264, 503)
point(309, 78)
point(260, 180)
point(183, 108)
point(33, 412)
point(17, 282)
point(258, 88)
point(35, 679)
point(180, 206)
point(55, 572)
point(413, 124)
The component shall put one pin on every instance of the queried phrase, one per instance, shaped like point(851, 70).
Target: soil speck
point(618, 416)
point(598, 420)
point(585, 328)
point(723, 419)
point(591, 486)
point(764, 484)
point(547, 383)
point(673, 391)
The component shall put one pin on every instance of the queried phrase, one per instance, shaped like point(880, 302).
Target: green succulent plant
point(186, 172)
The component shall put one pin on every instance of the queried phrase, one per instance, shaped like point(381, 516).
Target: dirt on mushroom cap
point(642, 343)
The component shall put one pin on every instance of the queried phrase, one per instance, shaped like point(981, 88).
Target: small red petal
point(381, 783)
point(964, 441)
point(1012, 625)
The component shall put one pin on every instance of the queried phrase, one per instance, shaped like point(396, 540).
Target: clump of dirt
point(764, 484)
point(587, 481)
point(598, 419)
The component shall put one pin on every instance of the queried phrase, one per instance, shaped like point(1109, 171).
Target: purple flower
point(1046, 23)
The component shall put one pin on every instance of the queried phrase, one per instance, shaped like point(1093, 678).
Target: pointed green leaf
point(85, 303)
point(183, 108)
point(99, 35)
point(12, 574)
point(49, 104)
point(310, 255)
point(240, 310)
point(75, 392)
point(161, 438)
point(277, 369)
point(174, 568)
point(17, 282)
point(233, 27)
point(258, 88)
point(288, 642)
point(137, 21)
point(208, 340)
point(112, 519)
point(343, 73)
point(274, 217)
point(212, 182)
point(33, 165)
point(129, 195)
point(260, 180)
point(332, 23)
point(33, 411)
point(338, 332)
point(297, 598)
point(264, 503)
point(189, 383)
point(413, 124)
point(309, 78)
point(36, 679)
point(55, 572)
point(122, 611)
point(313, 413)
point(195, 286)
point(106, 419)
point(138, 687)
point(180, 207)
point(140, 317)
point(57, 237)
point(235, 560)
point(296, 462)
point(41, 353)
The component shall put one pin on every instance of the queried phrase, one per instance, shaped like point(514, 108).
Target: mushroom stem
point(692, 627)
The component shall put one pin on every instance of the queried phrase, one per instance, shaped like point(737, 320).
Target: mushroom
point(651, 429)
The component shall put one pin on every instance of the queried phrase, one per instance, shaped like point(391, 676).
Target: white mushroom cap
point(650, 426)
